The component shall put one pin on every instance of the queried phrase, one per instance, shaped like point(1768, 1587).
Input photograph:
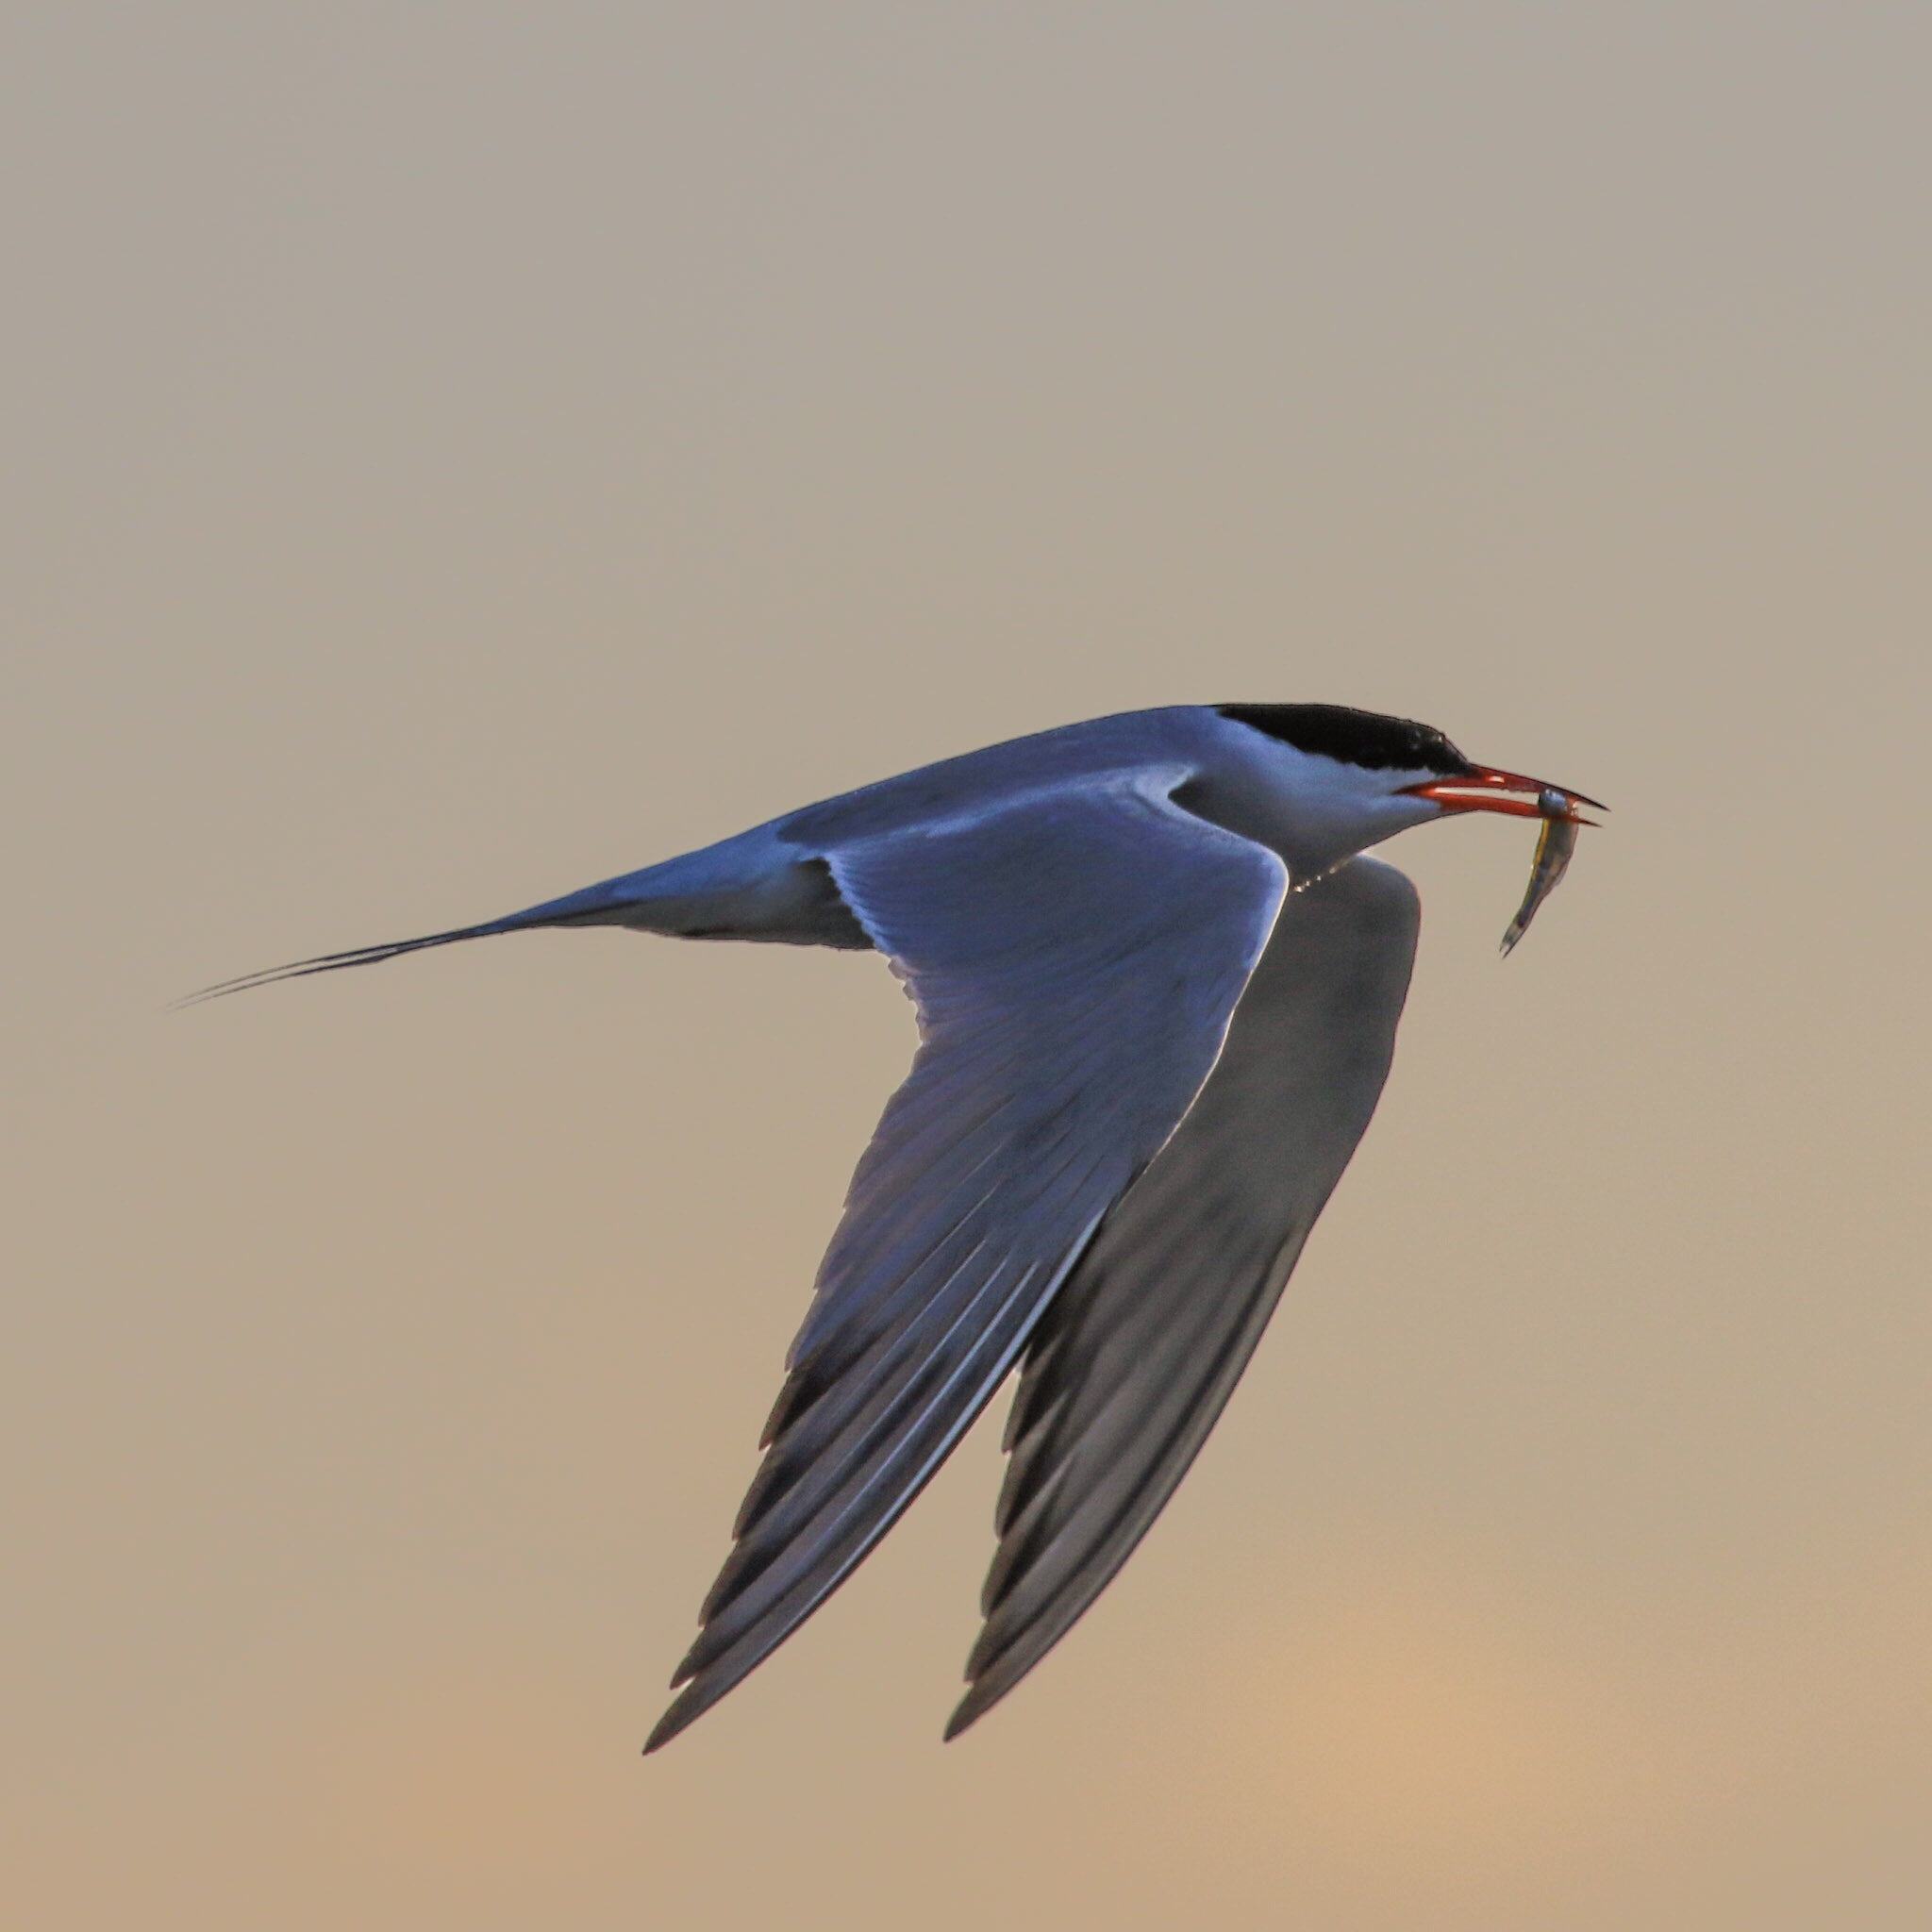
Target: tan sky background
point(452, 453)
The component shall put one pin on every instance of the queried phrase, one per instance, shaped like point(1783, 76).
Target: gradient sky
point(450, 454)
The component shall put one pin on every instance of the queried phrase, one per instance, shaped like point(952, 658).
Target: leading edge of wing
point(1074, 956)
point(1132, 1362)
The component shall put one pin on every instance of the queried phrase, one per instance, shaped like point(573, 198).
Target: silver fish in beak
point(1558, 810)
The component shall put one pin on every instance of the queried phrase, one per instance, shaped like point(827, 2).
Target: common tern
point(1158, 988)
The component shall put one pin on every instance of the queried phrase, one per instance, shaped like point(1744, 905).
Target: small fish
point(1552, 850)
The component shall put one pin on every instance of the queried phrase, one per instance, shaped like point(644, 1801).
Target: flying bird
point(1157, 987)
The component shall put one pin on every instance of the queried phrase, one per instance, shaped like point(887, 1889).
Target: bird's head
point(1351, 778)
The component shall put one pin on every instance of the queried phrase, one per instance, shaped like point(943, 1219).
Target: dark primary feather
point(1074, 956)
point(1133, 1361)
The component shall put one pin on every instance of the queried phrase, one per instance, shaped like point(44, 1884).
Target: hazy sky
point(449, 454)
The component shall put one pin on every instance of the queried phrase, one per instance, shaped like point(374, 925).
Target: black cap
point(1369, 739)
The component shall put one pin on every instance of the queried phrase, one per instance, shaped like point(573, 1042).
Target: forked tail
point(757, 886)
point(332, 962)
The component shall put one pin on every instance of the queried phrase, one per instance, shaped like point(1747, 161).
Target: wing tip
point(662, 1732)
point(981, 1695)
point(683, 1711)
point(966, 1713)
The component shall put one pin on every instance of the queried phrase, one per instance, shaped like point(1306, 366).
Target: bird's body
point(1158, 994)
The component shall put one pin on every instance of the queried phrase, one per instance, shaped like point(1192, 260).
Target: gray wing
point(1132, 1362)
point(1074, 956)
